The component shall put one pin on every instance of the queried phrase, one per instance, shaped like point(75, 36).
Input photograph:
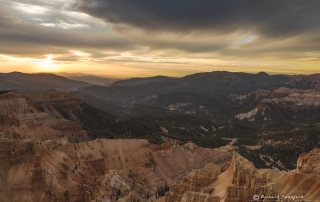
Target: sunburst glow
point(48, 64)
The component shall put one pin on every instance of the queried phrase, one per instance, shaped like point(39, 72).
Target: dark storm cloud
point(28, 38)
point(270, 17)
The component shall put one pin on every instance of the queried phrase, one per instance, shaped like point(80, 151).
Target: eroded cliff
point(100, 170)
point(287, 104)
point(20, 120)
point(309, 162)
point(241, 181)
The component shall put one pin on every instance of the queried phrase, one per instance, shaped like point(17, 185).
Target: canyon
point(48, 153)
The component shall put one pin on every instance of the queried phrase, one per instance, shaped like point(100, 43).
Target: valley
point(207, 137)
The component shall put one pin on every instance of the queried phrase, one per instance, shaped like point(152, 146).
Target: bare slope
point(20, 120)
point(101, 169)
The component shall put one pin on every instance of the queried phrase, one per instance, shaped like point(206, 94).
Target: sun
point(48, 64)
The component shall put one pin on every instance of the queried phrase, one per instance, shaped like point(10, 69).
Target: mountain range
point(209, 109)
point(89, 78)
point(31, 83)
point(140, 81)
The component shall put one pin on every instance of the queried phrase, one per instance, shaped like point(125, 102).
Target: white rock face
point(247, 116)
point(203, 128)
point(178, 105)
point(238, 97)
point(163, 129)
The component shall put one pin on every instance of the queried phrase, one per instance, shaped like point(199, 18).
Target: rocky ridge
point(20, 120)
point(285, 102)
point(309, 162)
point(240, 181)
point(304, 81)
point(188, 189)
point(100, 170)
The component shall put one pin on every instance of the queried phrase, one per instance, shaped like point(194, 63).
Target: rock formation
point(199, 197)
point(304, 81)
point(309, 162)
point(240, 181)
point(100, 170)
point(285, 102)
point(20, 120)
point(194, 182)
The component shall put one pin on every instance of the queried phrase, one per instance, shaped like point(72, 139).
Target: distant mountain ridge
point(89, 78)
point(214, 84)
point(31, 83)
point(210, 84)
point(140, 81)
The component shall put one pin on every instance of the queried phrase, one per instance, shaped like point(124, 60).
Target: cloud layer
point(272, 17)
point(199, 35)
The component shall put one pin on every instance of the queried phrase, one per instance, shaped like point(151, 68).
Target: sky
point(125, 38)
